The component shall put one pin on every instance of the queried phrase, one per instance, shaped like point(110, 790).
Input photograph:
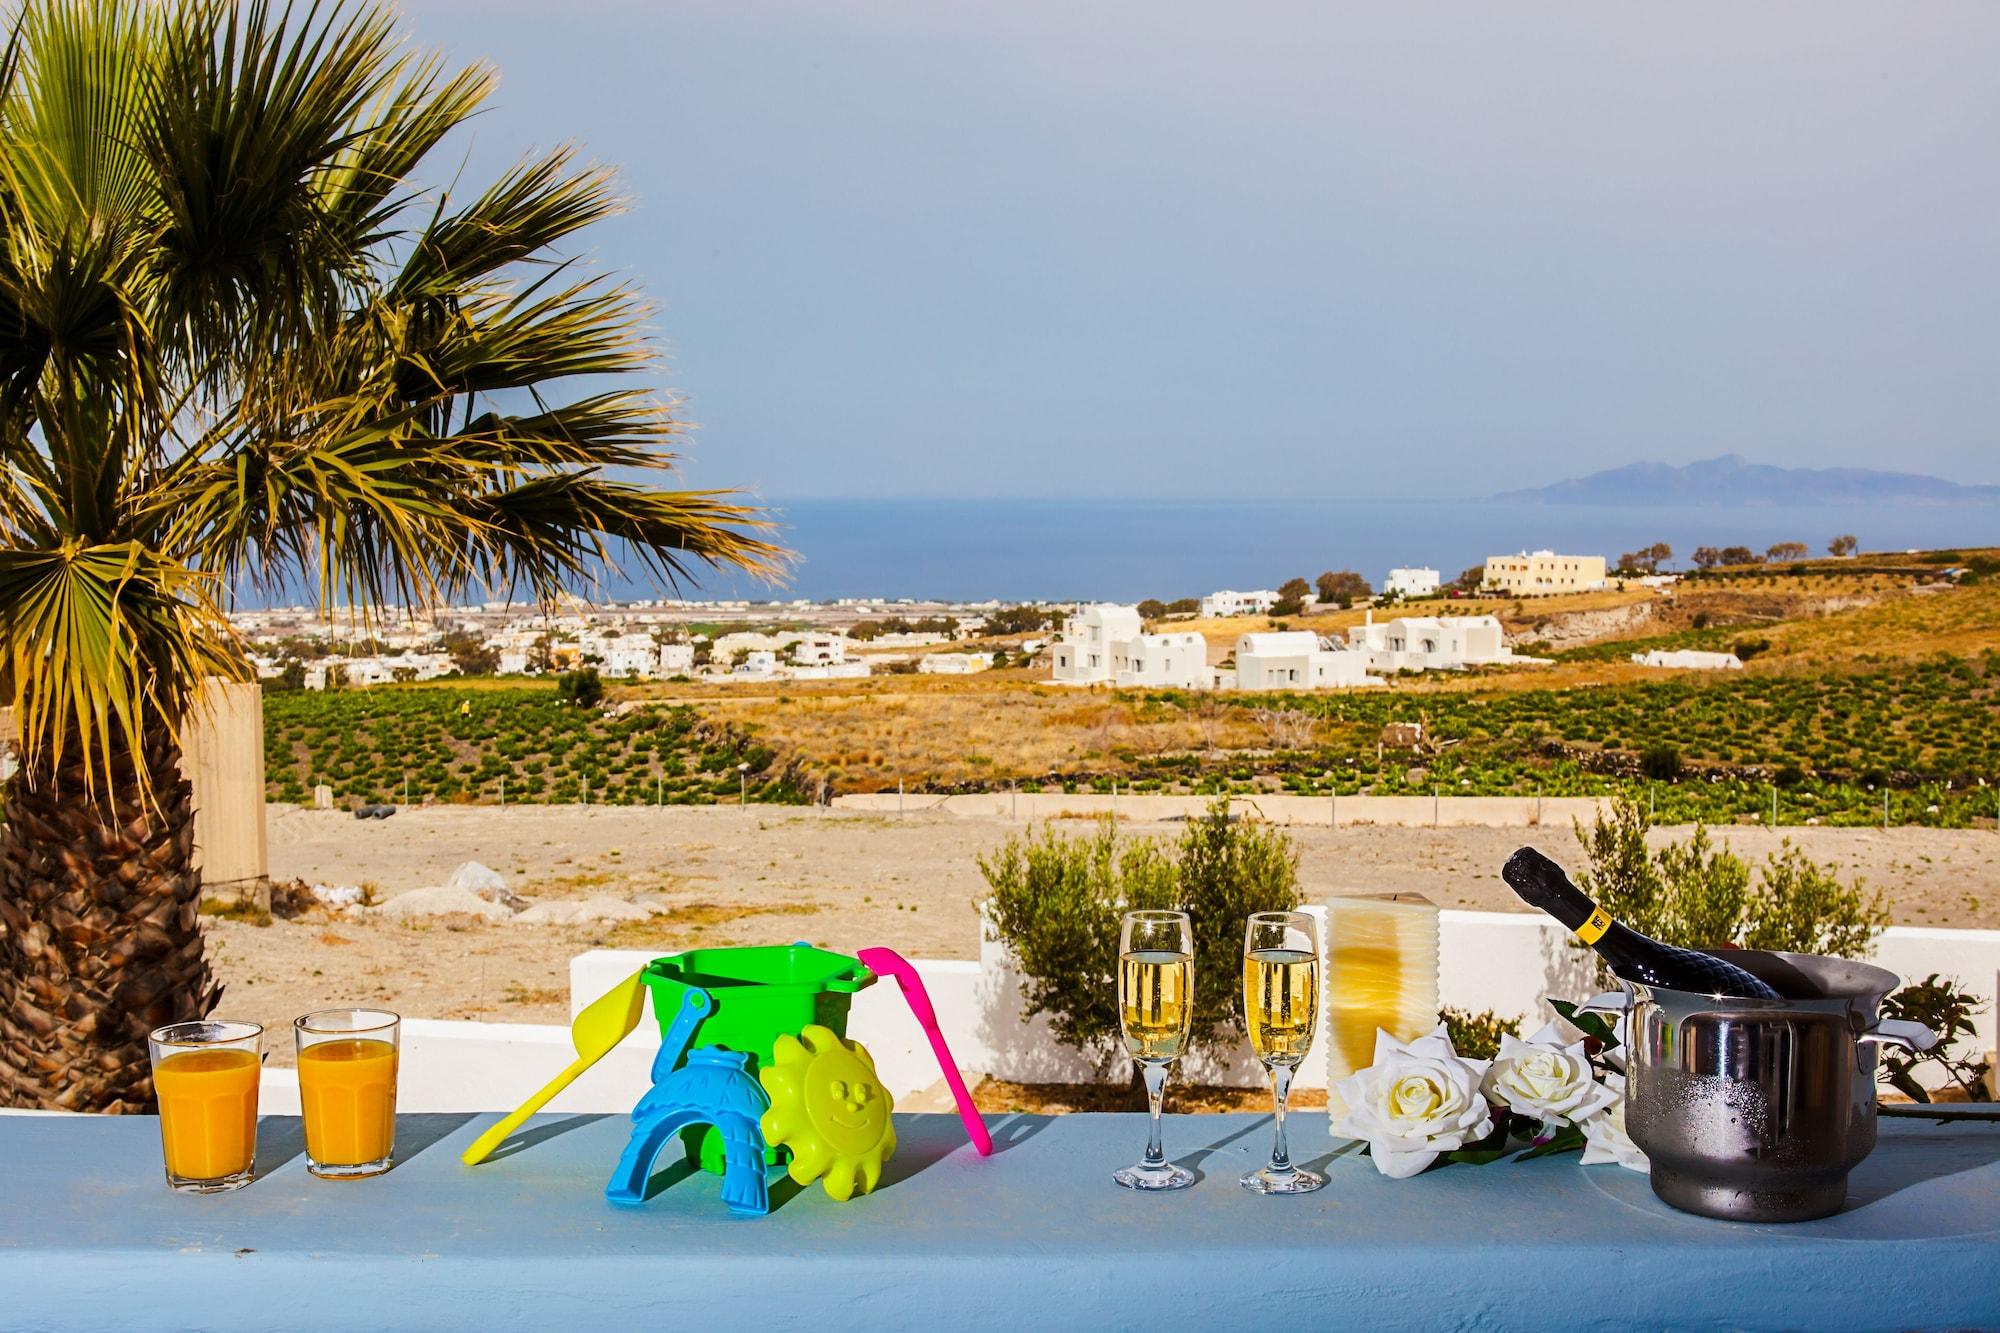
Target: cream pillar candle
point(1382, 972)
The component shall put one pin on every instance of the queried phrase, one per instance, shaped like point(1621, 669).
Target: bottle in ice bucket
point(1541, 883)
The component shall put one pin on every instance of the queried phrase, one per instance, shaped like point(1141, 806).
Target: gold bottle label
point(1592, 930)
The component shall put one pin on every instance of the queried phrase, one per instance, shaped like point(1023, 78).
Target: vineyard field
point(393, 743)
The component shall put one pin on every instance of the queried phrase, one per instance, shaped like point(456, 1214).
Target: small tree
point(1701, 897)
point(1057, 901)
point(1736, 555)
point(1152, 609)
point(1802, 907)
point(1343, 588)
point(582, 687)
point(1051, 898)
point(1782, 551)
point(1842, 545)
point(1292, 594)
point(1706, 557)
point(470, 654)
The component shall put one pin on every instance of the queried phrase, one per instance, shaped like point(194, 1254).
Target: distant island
point(1731, 480)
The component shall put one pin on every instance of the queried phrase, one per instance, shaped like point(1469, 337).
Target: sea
point(1128, 550)
point(1015, 550)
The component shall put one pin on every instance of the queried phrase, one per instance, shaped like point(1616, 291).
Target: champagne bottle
point(1541, 883)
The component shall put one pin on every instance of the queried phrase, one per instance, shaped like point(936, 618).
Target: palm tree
point(241, 347)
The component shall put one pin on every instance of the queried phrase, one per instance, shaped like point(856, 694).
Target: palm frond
point(100, 641)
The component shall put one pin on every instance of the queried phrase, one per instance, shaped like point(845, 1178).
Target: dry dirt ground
point(775, 873)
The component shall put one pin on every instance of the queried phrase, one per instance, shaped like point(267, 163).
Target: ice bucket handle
point(1900, 1032)
point(1607, 1002)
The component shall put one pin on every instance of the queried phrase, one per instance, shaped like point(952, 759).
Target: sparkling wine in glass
point(1280, 1008)
point(1155, 1009)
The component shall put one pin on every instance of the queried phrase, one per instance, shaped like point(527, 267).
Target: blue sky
point(1187, 249)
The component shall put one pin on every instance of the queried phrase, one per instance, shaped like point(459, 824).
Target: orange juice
point(208, 1112)
point(347, 1091)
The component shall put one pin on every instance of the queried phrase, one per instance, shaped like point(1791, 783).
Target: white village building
point(1430, 643)
point(1410, 583)
point(623, 654)
point(953, 664)
point(1167, 661)
point(853, 670)
point(1297, 660)
point(676, 659)
point(1105, 645)
point(819, 649)
point(1231, 603)
point(758, 664)
point(1689, 659)
point(357, 672)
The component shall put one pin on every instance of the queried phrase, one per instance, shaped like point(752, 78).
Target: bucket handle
point(1911, 1036)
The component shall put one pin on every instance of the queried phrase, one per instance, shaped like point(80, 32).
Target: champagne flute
point(1280, 1009)
point(1155, 1008)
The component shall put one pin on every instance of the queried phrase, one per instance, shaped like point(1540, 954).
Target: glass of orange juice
point(347, 1090)
point(205, 1076)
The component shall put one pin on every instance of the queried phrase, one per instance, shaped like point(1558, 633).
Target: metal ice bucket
point(1756, 1110)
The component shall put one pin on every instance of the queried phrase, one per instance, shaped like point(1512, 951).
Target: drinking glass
point(1280, 1009)
point(205, 1077)
point(1155, 1008)
point(347, 1090)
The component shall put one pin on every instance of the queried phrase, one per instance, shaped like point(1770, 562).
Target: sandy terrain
point(773, 873)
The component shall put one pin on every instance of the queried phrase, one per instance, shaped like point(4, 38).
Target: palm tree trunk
point(99, 942)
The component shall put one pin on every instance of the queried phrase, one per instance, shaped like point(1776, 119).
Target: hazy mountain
point(1731, 480)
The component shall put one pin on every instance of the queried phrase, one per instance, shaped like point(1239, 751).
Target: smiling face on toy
point(828, 1107)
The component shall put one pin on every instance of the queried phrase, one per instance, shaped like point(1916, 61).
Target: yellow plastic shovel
point(604, 1022)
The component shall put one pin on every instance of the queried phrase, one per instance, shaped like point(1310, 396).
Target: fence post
point(503, 792)
point(1434, 804)
point(1333, 807)
point(1014, 801)
point(406, 786)
point(586, 788)
point(1774, 805)
point(1885, 807)
point(658, 785)
point(1114, 800)
point(899, 798)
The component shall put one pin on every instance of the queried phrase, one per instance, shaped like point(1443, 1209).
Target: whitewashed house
point(1083, 648)
point(1231, 603)
point(848, 670)
point(1430, 643)
point(624, 654)
point(759, 664)
point(1164, 661)
point(1689, 659)
point(676, 659)
point(1297, 660)
point(819, 649)
point(358, 672)
point(1108, 645)
point(953, 664)
point(1410, 583)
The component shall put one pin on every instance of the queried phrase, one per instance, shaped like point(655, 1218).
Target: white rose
point(1415, 1103)
point(1544, 1078)
point(1604, 1136)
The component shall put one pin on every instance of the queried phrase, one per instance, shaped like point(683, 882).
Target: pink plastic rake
point(889, 963)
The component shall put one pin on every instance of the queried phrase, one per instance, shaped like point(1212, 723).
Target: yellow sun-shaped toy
point(828, 1107)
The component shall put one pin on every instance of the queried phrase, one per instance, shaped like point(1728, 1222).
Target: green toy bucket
point(760, 993)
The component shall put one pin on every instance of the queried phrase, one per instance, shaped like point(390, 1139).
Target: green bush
point(1700, 897)
point(1661, 762)
point(1477, 1036)
point(582, 687)
point(1057, 902)
point(1942, 1007)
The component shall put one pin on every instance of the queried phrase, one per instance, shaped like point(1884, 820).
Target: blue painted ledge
point(1034, 1237)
